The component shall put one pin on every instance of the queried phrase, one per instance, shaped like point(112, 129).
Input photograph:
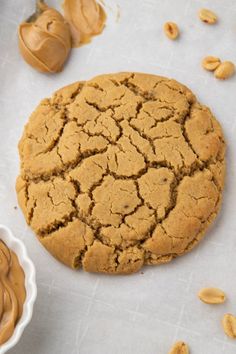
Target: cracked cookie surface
point(123, 170)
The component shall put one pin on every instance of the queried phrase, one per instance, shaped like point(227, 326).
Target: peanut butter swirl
point(12, 292)
point(86, 19)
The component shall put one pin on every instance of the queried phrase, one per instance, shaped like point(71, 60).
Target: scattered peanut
point(211, 296)
point(171, 30)
point(210, 63)
point(229, 325)
point(179, 348)
point(225, 70)
point(208, 16)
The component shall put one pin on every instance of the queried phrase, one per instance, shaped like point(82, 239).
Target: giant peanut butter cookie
point(123, 170)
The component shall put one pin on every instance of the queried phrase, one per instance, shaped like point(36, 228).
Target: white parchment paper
point(144, 313)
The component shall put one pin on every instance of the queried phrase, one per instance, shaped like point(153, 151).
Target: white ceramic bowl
point(30, 284)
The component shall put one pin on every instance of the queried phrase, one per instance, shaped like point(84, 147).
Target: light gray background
point(144, 313)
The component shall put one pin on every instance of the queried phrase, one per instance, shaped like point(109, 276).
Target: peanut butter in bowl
point(12, 292)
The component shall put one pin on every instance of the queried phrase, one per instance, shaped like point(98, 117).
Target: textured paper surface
point(144, 313)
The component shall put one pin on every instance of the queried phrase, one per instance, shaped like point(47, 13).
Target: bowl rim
point(19, 248)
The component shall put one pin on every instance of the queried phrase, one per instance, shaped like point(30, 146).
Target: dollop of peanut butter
point(86, 19)
point(45, 43)
point(12, 292)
